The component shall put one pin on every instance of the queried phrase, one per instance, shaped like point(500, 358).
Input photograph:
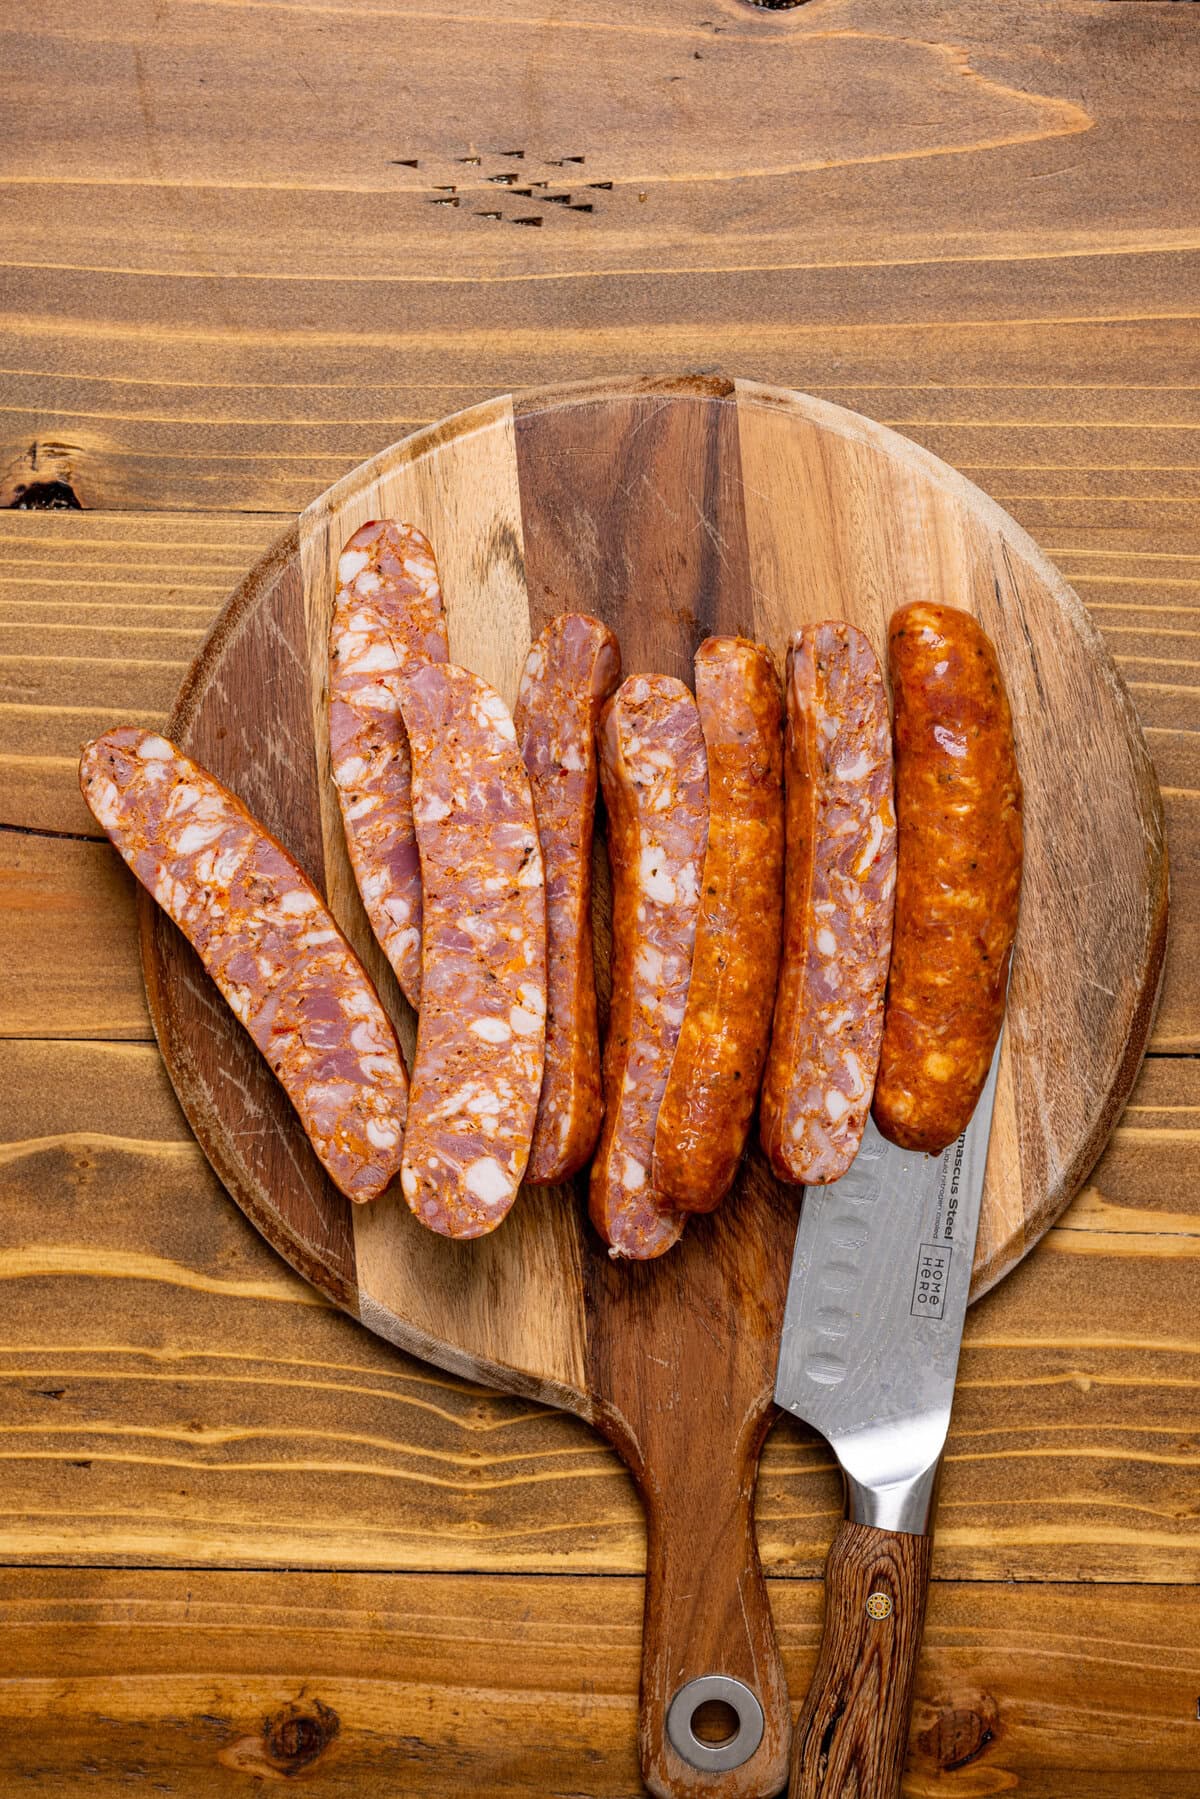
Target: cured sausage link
point(570, 672)
point(265, 936)
point(655, 782)
point(704, 1118)
point(838, 906)
point(387, 618)
point(481, 1031)
point(958, 794)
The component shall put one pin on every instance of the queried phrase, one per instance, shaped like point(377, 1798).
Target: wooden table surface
point(246, 243)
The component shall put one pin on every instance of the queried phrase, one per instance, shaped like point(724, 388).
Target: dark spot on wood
point(583, 206)
point(527, 221)
point(295, 1736)
point(519, 154)
point(48, 1392)
point(960, 1734)
point(503, 545)
point(503, 180)
point(606, 185)
point(404, 162)
point(45, 496)
point(557, 199)
point(828, 1736)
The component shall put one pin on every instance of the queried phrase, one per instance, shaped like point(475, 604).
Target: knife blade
point(868, 1356)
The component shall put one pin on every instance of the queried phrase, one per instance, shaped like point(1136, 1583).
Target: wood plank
point(171, 1393)
point(97, 613)
point(410, 1684)
point(970, 222)
point(68, 941)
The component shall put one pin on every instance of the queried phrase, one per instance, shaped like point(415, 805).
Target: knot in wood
point(298, 1734)
point(959, 1734)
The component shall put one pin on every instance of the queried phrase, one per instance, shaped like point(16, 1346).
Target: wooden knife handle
point(852, 1733)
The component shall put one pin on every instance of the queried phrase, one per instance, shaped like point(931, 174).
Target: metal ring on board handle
point(713, 1758)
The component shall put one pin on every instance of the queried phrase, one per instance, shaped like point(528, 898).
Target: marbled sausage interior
point(654, 774)
point(481, 1032)
point(841, 878)
point(388, 618)
point(265, 935)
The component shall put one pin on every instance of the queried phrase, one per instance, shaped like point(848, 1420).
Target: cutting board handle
point(852, 1733)
point(707, 1617)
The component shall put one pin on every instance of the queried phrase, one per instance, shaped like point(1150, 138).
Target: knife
point(869, 1352)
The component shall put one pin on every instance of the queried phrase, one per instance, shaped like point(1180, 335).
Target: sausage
point(958, 797)
point(655, 782)
point(387, 614)
point(704, 1118)
point(838, 906)
point(570, 672)
point(267, 939)
point(481, 1030)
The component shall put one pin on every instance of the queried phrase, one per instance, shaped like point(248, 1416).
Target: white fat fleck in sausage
point(266, 938)
point(481, 1029)
point(388, 619)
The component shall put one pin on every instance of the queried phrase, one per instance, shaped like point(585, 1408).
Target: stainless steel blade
point(874, 1316)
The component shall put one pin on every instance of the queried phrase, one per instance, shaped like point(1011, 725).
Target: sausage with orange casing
point(654, 776)
point(269, 942)
point(839, 895)
point(958, 795)
point(570, 672)
point(705, 1114)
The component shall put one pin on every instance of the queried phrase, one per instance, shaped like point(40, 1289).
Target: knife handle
point(852, 1734)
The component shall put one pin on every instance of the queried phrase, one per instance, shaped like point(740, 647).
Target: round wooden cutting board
point(671, 509)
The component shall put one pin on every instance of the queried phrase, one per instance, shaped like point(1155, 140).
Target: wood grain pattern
point(378, 1685)
point(171, 1392)
point(100, 616)
point(967, 222)
point(851, 1737)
